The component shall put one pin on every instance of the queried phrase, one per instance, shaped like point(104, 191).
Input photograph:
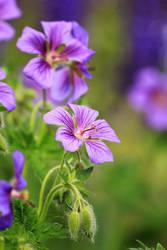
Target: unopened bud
point(74, 224)
point(89, 221)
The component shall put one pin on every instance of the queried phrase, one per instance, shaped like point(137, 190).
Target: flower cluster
point(8, 191)
point(149, 95)
point(62, 57)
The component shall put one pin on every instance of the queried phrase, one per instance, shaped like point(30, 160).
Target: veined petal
point(57, 33)
point(84, 116)
point(61, 87)
point(9, 10)
point(32, 41)
point(69, 141)
point(6, 216)
point(76, 51)
point(103, 131)
point(79, 88)
point(98, 152)
point(40, 71)
point(2, 74)
point(59, 116)
point(6, 31)
point(7, 97)
point(18, 161)
point(83, 68)
point(80, 33)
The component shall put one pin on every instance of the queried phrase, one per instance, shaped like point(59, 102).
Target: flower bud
point(74, 224)
point(89, 221)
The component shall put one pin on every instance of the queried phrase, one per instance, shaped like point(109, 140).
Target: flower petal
point(18, 161)
point(9, 10)
point(103, 131)
point(84, 116)
point(79, 88)
point(83, 68)
point(80, 33)
point(98, 152)
point(6, 31)
point(7, 97)
point(6, 216)
point(76, 51)
point(69, 141)
point(59, 116)
point(57, 32)
point(32, 41)
point(40, 71)
point(2, 74)
point(61, 87)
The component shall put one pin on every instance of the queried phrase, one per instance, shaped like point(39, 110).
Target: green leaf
point(84, 174)
point(2, 108)
point(160, 247)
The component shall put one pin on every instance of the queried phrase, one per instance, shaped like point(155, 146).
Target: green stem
point(2, 120)
point(48, 200)
point(60, 169)
point(42, 191)
point(34, 116)
point(78, 156)
point(44, 98)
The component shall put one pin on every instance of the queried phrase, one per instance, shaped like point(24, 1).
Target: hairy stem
point(60, 169)
point(42, 191)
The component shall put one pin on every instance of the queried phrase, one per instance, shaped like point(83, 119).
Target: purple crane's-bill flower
point(8, 11)
point(8, 191)
point(57, 46)
point(149, 95)
point(7, 97)
point(80, 128)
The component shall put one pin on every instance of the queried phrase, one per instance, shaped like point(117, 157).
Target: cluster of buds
point(83, 220)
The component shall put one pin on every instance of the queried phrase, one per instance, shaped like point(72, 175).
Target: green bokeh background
point(130, 195)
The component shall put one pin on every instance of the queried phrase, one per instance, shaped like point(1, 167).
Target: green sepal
point(84, 174)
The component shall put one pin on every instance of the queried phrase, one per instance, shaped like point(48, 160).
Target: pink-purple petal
point(57, 33)
point(60, 117)
point(18, 161)
point(6, 215)
point(69, 141)
point(61, 87)
point(2, 74)
point(32, 41)
point(9, 10)
point(79, 88)
point(103, 131)
point(40, 71)
point(7, 32)
point(85, 116)
point(80, 33)
point(7, 97)
point(76, 51)
point(98, 152)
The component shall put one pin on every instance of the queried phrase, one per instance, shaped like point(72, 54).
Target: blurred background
point(129, 195)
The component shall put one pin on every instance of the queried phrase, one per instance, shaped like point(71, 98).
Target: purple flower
point(149, 95)
point(69, 83)
point(7, 191)
point(8, 11)
point(81, 128)
point(7, 97)
point(56, 47)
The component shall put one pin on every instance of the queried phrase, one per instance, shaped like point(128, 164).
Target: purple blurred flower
point(149, 95)
point(56, 47)
point(7, 191)
point(82, 128)
point(7, 97)
point(8, 11)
